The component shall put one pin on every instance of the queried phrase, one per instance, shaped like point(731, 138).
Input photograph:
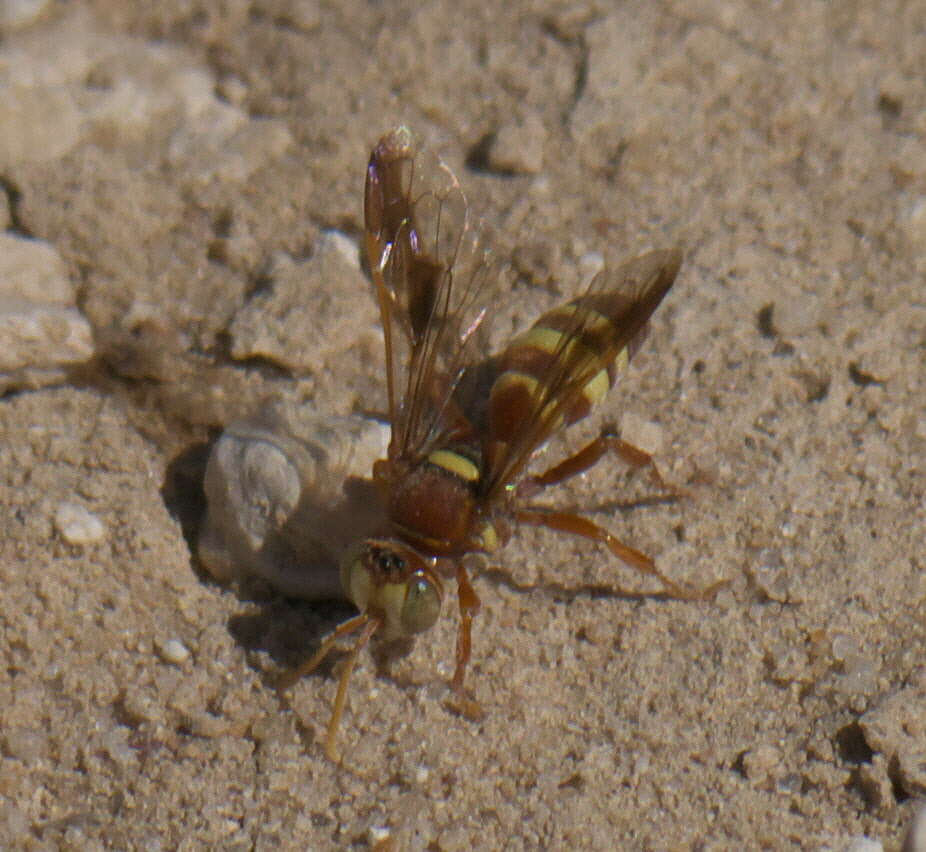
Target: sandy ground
point(186, 164)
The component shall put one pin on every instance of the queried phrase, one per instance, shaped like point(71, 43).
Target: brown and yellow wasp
point(465, 426)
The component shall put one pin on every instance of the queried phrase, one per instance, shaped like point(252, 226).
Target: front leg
point(469, 606)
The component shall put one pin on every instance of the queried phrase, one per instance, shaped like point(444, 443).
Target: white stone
point(36, 125)
point(77, 525)
point(915, 841)
point(174, 651)
point(41, 331)
point(864, 844)
point(33, 270)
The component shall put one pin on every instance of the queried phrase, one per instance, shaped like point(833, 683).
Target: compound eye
point(422, 604)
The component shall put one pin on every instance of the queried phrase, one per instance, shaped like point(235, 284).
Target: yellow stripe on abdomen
point(592, 320)
point(456, 464)
point(545, 339)
point(596, 389)
point(511, 379)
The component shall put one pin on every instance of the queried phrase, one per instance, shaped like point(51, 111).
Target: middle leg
point(586, 458)
point(469, 605)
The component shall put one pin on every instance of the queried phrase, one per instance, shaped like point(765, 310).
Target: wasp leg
point(345, 628)
point(588, 457)
point(341, 698)
point(566, 522)
point(469, 606)
point(368, 626)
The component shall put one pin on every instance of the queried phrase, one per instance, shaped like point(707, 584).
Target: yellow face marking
point(596, 389)
point(357, 583)
point(388, 599)
point(455, 463)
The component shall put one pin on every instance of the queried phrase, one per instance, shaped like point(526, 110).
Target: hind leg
point(572, 524)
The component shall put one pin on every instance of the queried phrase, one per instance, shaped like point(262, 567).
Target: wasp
point(466, 425)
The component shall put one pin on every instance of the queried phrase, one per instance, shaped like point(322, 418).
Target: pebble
point(273, 324)
point(18, 14)
point(379, 835)
point(174, 651)
point(915, 841)
point(762, 764)
point(41, 330)
point(864, 844)
point(518, 147)
point(77, 525)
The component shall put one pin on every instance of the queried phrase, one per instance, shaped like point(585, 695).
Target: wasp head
point(393, 583)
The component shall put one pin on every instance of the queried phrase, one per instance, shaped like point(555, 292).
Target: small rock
point(860, 675)
point(33, 271)
point(41, 331)
point(139, 706)
point(915, 841)
point(864, 844)
point(518, 147)
point(844, 647)
point(78, 526)
point(174, 651)
point(761, 764)
point(37, 124)
point(115, 742)
point(18, 14)
point(875, 784)
point(894, 729)
point(379, 835)
point(770, 574)
point(210, 726)
point(273, 324)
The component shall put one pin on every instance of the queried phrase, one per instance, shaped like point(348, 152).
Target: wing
point(553, 374)
point(430, 273)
